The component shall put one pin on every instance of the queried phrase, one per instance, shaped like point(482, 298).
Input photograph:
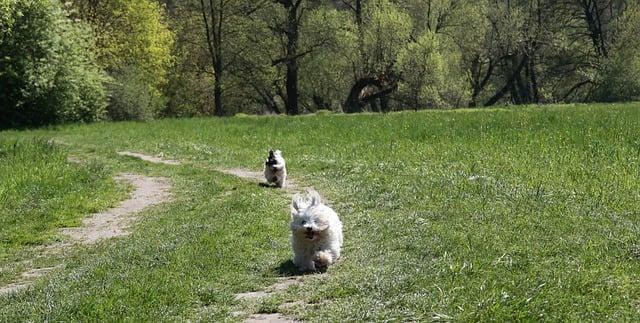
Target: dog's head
point(307, 220)
point(275, 157)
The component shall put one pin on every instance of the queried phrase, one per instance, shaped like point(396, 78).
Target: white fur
point(276, 173)
point(316, 233)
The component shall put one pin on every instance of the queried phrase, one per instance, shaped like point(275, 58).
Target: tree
point(134, 45)
point(620, 76)
point(289, 28)
point(216, 45)
point(383, 29)
point(48, 70)
point(431, 76)
point(325, 71)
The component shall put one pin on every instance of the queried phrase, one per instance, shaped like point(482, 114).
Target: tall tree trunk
point(520, 89)
point(384, 103)
point(213, 30)
point(534, 80)
point(478, 82)
point(217, 91)
point(291, 86)
point(356, 100)
point(353, 103)
point(358, 13)
point(291, 60)
point(592, 16)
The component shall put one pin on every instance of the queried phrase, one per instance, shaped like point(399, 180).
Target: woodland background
point(90, 60)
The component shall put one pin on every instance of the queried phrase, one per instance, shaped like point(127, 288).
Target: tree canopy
point(121, 59)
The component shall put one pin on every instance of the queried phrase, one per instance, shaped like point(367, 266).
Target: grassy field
point(40, 192)
point(519, 214)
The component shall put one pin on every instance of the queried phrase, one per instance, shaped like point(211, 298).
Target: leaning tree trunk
point(357, 99)
point(509, 86)
point(353, 103)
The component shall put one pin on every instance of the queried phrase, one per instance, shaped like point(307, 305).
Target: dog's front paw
point(322, 260)
point(309, 267)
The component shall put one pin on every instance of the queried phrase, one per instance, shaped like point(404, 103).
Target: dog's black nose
point(309, 229)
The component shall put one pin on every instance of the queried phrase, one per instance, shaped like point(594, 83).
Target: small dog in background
point(275, 170)
point(316, 233)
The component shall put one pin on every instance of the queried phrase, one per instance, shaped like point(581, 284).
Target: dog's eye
point(304, 222)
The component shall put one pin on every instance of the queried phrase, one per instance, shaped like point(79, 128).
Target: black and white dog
point(275, 170)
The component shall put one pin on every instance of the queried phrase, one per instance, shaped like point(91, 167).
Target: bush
point(131, 97)
point(134, 45)
point(48, 73)
point(431, 74)
point(620, 78)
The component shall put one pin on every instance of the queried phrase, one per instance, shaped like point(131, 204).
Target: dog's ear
point(314, 197)
point(297, 203)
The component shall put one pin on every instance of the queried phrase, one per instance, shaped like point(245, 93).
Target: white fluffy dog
point(316, 233)
point(275, 170)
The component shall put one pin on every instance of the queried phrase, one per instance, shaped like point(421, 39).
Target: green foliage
point(131, 97)
point(247, 49)
point(322, 79)
point(48, 72)
point(190, 83)
point(134, 45)
point(391, 55)
point(620, 78)
point(431, 74)
point(388, 31)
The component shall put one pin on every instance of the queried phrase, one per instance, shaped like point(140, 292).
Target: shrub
point(620, 78)
point(48, 73)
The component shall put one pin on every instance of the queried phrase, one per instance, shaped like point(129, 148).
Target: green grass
point(521, 214)
point(40, 192)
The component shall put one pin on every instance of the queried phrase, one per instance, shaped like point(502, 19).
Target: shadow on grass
point(267, 185)
point(288, 269)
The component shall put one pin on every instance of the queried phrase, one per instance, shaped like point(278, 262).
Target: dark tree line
point(149, 58)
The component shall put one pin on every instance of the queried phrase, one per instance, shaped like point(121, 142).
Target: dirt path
point(284, 282)
point(151, 159)
point(26, 279)
point(150, 191)
point(111, 223)
point(291, 186)
point(114, 222)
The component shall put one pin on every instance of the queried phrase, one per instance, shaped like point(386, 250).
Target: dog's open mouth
point(310, 235)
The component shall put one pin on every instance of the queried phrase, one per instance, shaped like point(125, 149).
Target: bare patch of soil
point(271, 317)
point(252, 295)
point(74, 160)
point(27, 278)
point(148, 191)
point(282, 284)
point(113, 222)
point(243, 173)
point(151, 159)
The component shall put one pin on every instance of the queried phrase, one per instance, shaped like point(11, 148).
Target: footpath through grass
point(523, 214)
point(40, 192)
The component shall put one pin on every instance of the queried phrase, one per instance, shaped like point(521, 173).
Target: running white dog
point(316, 233)
point(275, 170)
